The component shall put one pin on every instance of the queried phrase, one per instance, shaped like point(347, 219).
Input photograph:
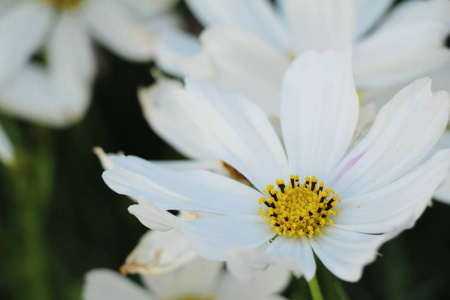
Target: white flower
point(372, 190)
point(63, 31)
point(407, 44)
point(251, 56)
point(160, 251)
point(199, 279)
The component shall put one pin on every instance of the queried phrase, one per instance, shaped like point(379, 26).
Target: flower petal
point(397, 205)
point(70, 51)
point(240, 61)
point(199, 191)
point(320, 24)
point(211, 237)
point(294, 254)
point(345, 253)
point(158, 252)
point(404, 131)
point(31, 22)
point(172, 48)
point(152, 216)
point(198, 277)
point(255, 16)
point(443, 192)
point(407, 47)
point(6, 148)
point(272, 281)
point(238, 130)
point(106, 284)
point(319, 112)
point(34, 95)
point(119, 30)
point(169, 120)
point(368, 12)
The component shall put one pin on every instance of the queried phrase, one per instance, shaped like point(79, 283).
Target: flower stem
point(314, 287)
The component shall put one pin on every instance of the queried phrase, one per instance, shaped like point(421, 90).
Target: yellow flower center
point(65, 4)
point(298, 210)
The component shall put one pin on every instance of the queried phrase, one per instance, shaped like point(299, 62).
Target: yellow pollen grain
point(65, 4)
point(294, 210)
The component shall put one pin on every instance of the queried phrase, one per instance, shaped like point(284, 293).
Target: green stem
point(314, 287)
point(29, 183)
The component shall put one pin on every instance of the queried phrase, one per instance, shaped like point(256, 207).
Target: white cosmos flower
point(371, 191)
point(199, 279)
point(388, 50)
point(58, 92)
point(251, 54)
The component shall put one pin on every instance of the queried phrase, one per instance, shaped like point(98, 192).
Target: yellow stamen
point(296, 209)
point(65, 4)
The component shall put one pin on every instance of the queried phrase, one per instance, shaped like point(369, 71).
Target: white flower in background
point(314, 192)
point(160, 251)
point(408, 43)
point(197, 280)
point(56, 92)
point(64, 30)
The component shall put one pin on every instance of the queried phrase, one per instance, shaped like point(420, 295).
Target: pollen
point(297, 210)
point(65, 4)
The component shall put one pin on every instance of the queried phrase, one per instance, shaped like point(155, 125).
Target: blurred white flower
point(259, 39)
point(370, 192)
point(159, 252)
point(199, 279)
point(57, 90)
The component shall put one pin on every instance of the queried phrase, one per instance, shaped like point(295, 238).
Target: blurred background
point(58, 219)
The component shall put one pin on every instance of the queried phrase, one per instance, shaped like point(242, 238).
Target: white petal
point(404, 131)
point(345, 253)
point(368, 12)
point(6, 148)
point(35, 95)
point(57, 95)
point(152, 216)
point(147, 8)
point(119, 31)
point(255, 16)
point(180, 165)
point(172, 48)
point(294, 254)
point(30, 22)
point(211, 237)
point(443, 192)
point(272, 281)
point(158, 252)
point(105, 284)
point(409, 46)
point(239, 132)
point(198, 277)
point(396, 205)
point(169, 121)
point(70, 51)
point(199, 191)
point(319, 112)
point(241, 63)
point(320, 24)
